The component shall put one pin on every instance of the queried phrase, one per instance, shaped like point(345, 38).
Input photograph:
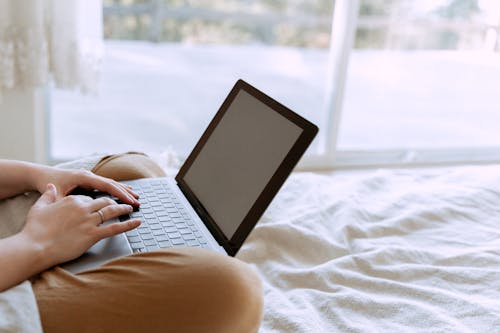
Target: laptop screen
point(240, 162)
point(239, 158)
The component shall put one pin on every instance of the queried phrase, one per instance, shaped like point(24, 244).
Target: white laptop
point(227, 182)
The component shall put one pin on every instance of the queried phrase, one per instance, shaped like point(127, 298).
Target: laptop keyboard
point(165, 222)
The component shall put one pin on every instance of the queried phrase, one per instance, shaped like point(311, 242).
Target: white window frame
point(345, 19)
point(23, 129)
point(344, 25)
point(344, 22)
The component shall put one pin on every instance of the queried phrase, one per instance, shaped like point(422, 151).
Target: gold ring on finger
point(101, 215)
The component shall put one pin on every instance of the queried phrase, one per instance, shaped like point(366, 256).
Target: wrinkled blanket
point(382, 251)
point(377, 251)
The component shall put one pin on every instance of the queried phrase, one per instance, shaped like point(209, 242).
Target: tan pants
point(176, 290)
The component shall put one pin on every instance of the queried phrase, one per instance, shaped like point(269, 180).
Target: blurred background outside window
point(169, 64)
point(422, 76)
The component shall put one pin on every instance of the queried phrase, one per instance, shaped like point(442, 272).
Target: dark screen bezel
point(309, 131)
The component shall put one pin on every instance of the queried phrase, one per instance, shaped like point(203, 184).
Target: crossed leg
point(174, 290)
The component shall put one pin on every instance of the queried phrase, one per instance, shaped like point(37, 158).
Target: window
point(169, 64)
point(422, 83)
point(388, 82)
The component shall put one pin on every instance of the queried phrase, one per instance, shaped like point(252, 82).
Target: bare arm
point(57, 231)
point(59, 227)
point(16, 177)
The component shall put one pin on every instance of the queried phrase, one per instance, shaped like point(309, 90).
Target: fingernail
point(130, 208)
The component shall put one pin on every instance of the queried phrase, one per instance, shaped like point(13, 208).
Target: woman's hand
point(66, 181)
point(57, 229)
point(62, 229)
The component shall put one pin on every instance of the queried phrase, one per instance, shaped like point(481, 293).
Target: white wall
point(23, 125)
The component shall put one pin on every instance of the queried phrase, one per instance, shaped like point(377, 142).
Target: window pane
point(156, 95)
point(423, 74)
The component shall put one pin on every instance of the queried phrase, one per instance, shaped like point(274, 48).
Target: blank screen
point(239, 159)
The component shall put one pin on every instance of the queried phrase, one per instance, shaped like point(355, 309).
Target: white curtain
point(44, 39)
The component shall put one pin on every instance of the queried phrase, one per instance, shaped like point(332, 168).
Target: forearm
point(17, 177)
point(20, 260)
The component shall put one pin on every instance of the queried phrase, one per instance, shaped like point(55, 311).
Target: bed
point(370, 251)
point(382, 251)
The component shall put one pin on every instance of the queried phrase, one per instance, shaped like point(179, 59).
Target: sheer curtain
point(44, 39)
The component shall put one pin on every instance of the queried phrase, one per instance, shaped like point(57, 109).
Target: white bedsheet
point(386, 251)
point(383, 251)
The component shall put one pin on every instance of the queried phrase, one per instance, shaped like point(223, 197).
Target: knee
point(233, 290)
point(202, 289)
point(243, 287)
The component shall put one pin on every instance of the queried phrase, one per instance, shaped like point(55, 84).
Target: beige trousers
point(176, 290)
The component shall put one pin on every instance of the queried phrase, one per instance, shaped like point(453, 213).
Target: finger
point(48, 197)
point(109, 186)
point(116, 228)
point(112, 211)
point(100, 203)
point(129, 189)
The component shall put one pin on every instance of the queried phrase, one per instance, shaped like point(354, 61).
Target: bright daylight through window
point(418, 85)
point(423, 76)
point(169, 64)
